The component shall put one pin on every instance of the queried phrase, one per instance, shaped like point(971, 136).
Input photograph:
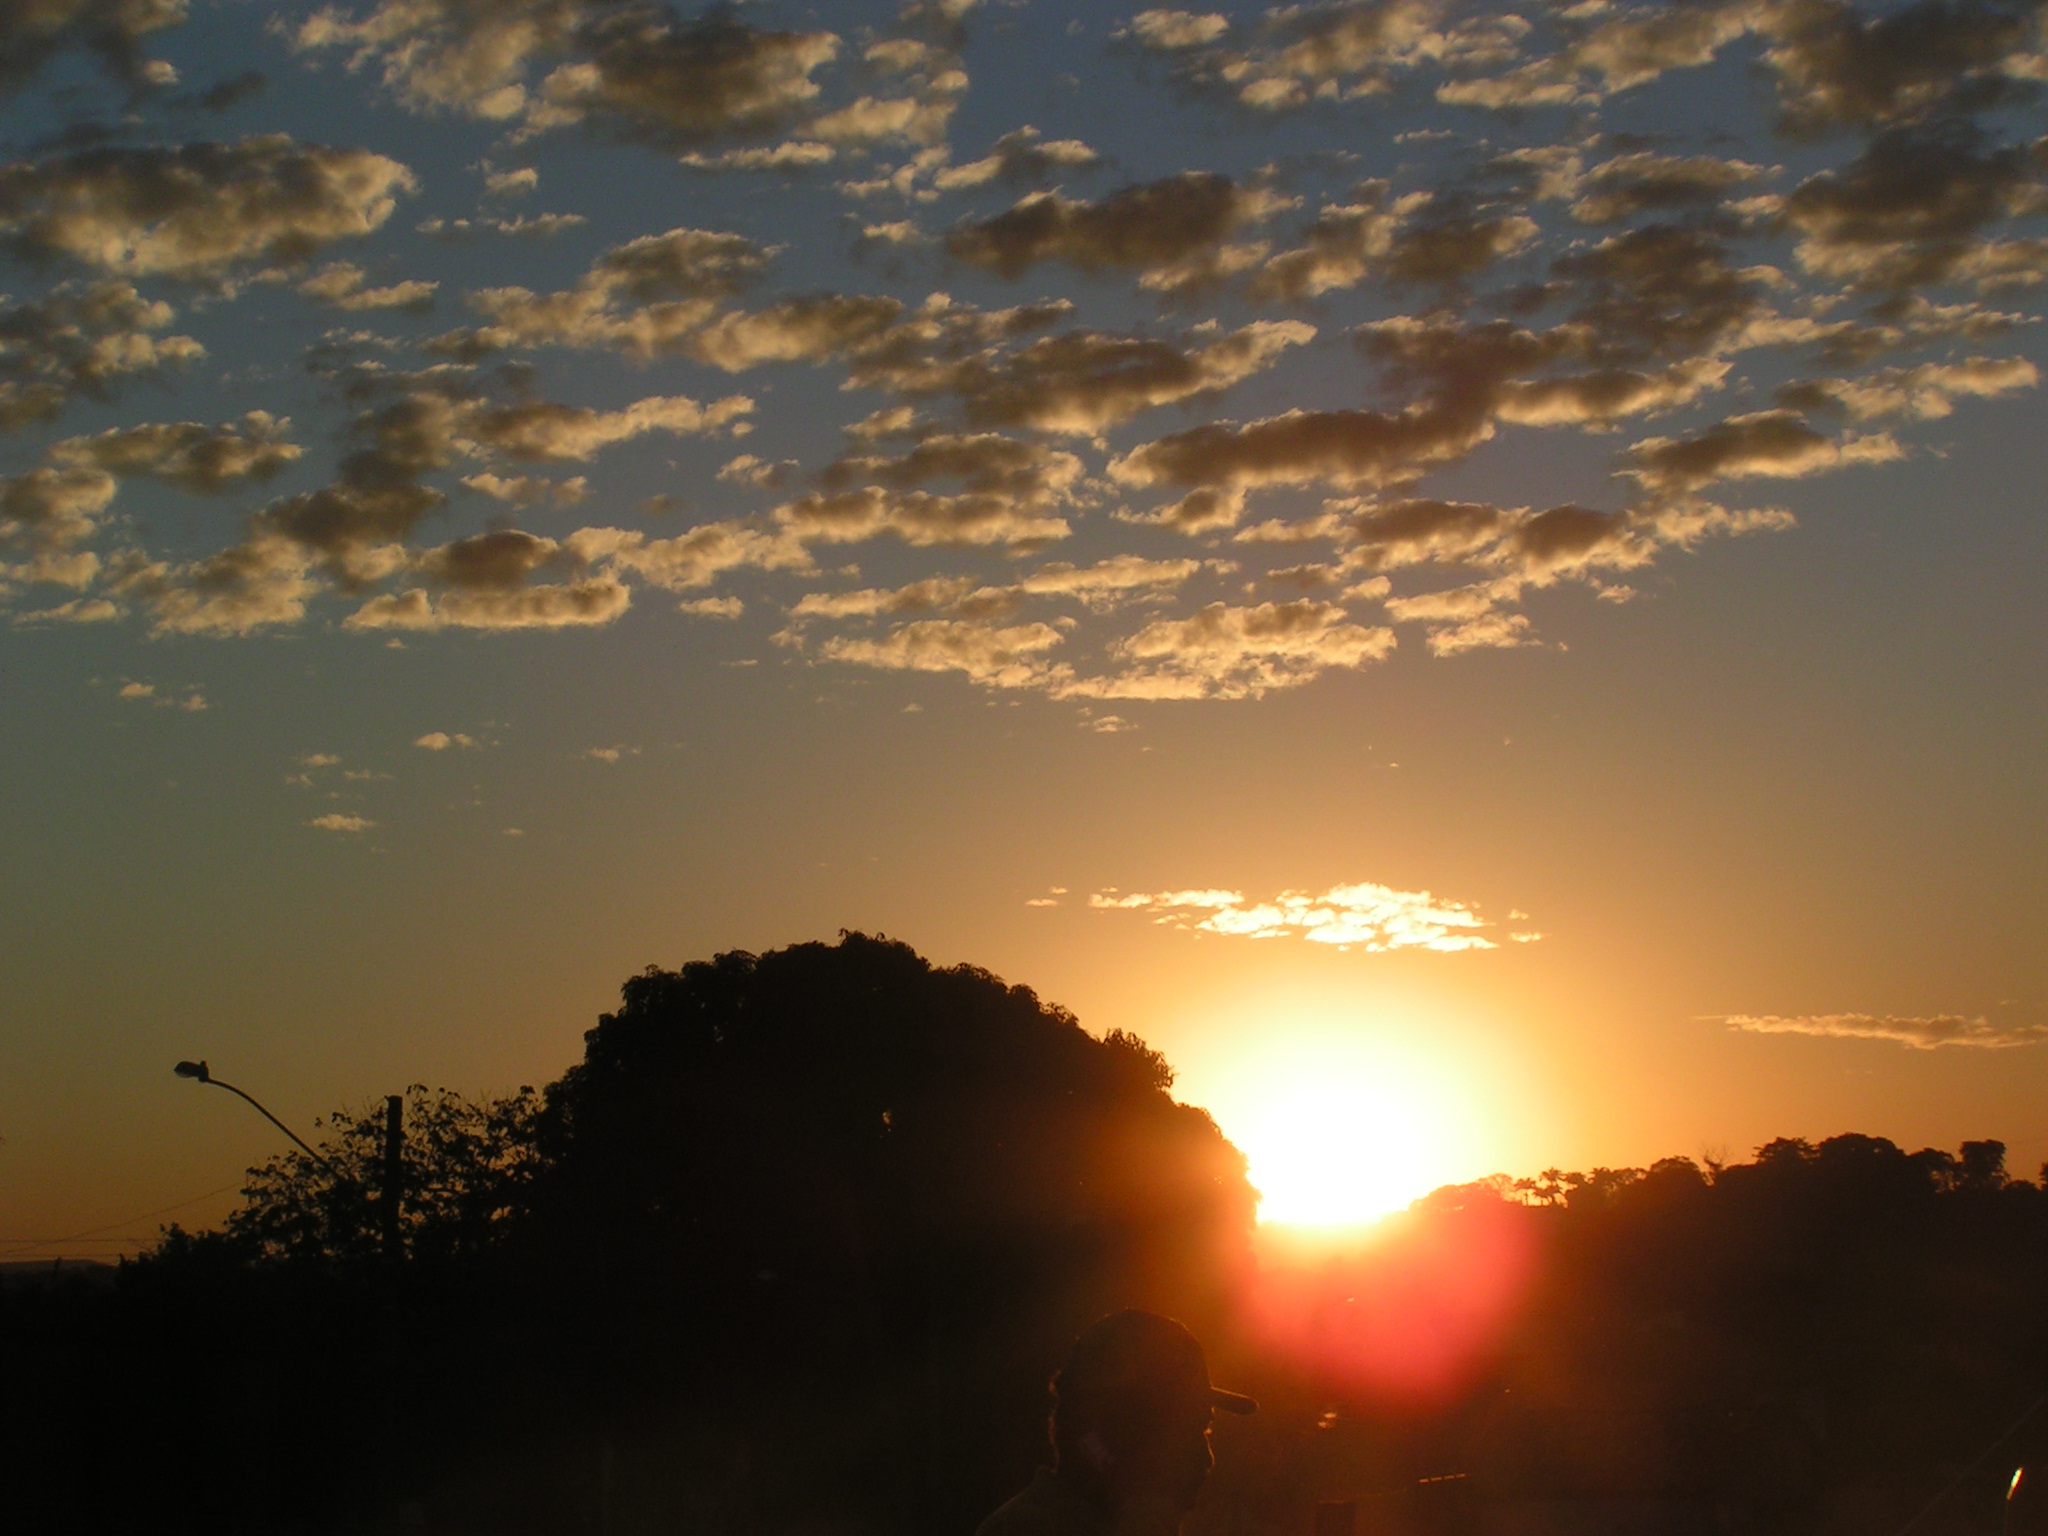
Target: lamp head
point(193, 1069)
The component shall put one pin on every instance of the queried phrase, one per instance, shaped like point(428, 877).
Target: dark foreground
point(792, 1248)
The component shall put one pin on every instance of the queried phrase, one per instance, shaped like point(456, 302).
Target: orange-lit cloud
point(1371, 917)
point(1920, 1034)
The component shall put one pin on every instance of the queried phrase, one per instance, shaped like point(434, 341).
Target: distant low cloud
point(1368, 916)
point(441, 741)
point(1920, 1034)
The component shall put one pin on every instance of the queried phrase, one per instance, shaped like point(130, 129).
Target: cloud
point(1376, 918)
point(543, 431)
point(1170, 31)
point(1842, 65)
point(517, 182)
point(187, 453)
point(441, 741)
point(645, 298)
point(345, 285)
point(1009, 493)
point(1913, 209)
point(1920, 1034)
point(1347, 243)
point(994, 656)
point(193, 210)
point(695, 558)
point(527, 490)
point(631, 69)
point(1926, 392)
point(712, 607)
point(49, 513)
point(1297, 54)
point(1084, 381)
point(1629, 185)
point(338, 821)
point(535, 226)
point(1232, 652)
point(81, 339)
point(79, 610)
point(1172, 232)
point(1102, 587)
point(265, 580)
point(1342, 448)
point(34, 31)
point(487, 582)
point(1621, 50)
point(1768, 443)
point(1023, 154)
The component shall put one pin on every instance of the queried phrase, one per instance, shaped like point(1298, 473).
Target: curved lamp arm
point(198, 1072)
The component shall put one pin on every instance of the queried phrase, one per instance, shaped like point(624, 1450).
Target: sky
point(1473, 574)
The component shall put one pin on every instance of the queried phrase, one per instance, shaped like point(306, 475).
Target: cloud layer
point(1169, 418)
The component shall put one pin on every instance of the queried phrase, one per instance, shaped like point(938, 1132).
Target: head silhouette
point(1132, 1406)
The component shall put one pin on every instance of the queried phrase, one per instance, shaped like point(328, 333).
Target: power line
point(20, 1245)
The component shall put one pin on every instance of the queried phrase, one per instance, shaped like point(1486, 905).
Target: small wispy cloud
point(1919, 1034)
point(610, 754)
point(337, 821)
point(191, 701)
point(441, 741)
point(1369, 916)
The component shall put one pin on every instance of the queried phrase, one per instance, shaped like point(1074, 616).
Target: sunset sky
point(1476, 576)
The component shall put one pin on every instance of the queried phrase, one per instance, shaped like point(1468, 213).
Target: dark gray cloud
point(1172, 232)
point(32, 32)
point(81, 339)
point(194, 210)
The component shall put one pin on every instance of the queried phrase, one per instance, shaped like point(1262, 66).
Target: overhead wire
point(16, 1247)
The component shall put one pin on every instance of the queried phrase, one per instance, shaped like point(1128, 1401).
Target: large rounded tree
point(839, 1180)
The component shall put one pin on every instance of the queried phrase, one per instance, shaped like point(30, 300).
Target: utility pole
point(394, 1174)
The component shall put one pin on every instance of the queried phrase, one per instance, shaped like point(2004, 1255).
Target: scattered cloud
point(441, 741)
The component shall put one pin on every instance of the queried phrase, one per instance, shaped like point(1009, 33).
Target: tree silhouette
point(467, 1170)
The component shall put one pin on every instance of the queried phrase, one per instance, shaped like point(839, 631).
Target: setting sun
point(1341, 1154)
point(1341, 1130)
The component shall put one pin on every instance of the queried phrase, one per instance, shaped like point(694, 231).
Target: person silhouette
point(1131, 1411)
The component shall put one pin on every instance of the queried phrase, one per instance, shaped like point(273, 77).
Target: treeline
point(794, 1244)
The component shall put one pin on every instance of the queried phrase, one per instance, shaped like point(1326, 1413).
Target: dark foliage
point(802, 1229)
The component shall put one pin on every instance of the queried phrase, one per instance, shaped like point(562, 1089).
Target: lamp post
point(199, 1073)
point(394, 1152)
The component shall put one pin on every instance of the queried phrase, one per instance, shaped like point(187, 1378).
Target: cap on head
point(1136, 1359)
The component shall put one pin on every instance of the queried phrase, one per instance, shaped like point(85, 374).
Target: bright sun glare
point(1340, 1144)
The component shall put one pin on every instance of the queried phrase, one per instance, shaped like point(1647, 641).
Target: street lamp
point(197, 1071)
point(394, 1153)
